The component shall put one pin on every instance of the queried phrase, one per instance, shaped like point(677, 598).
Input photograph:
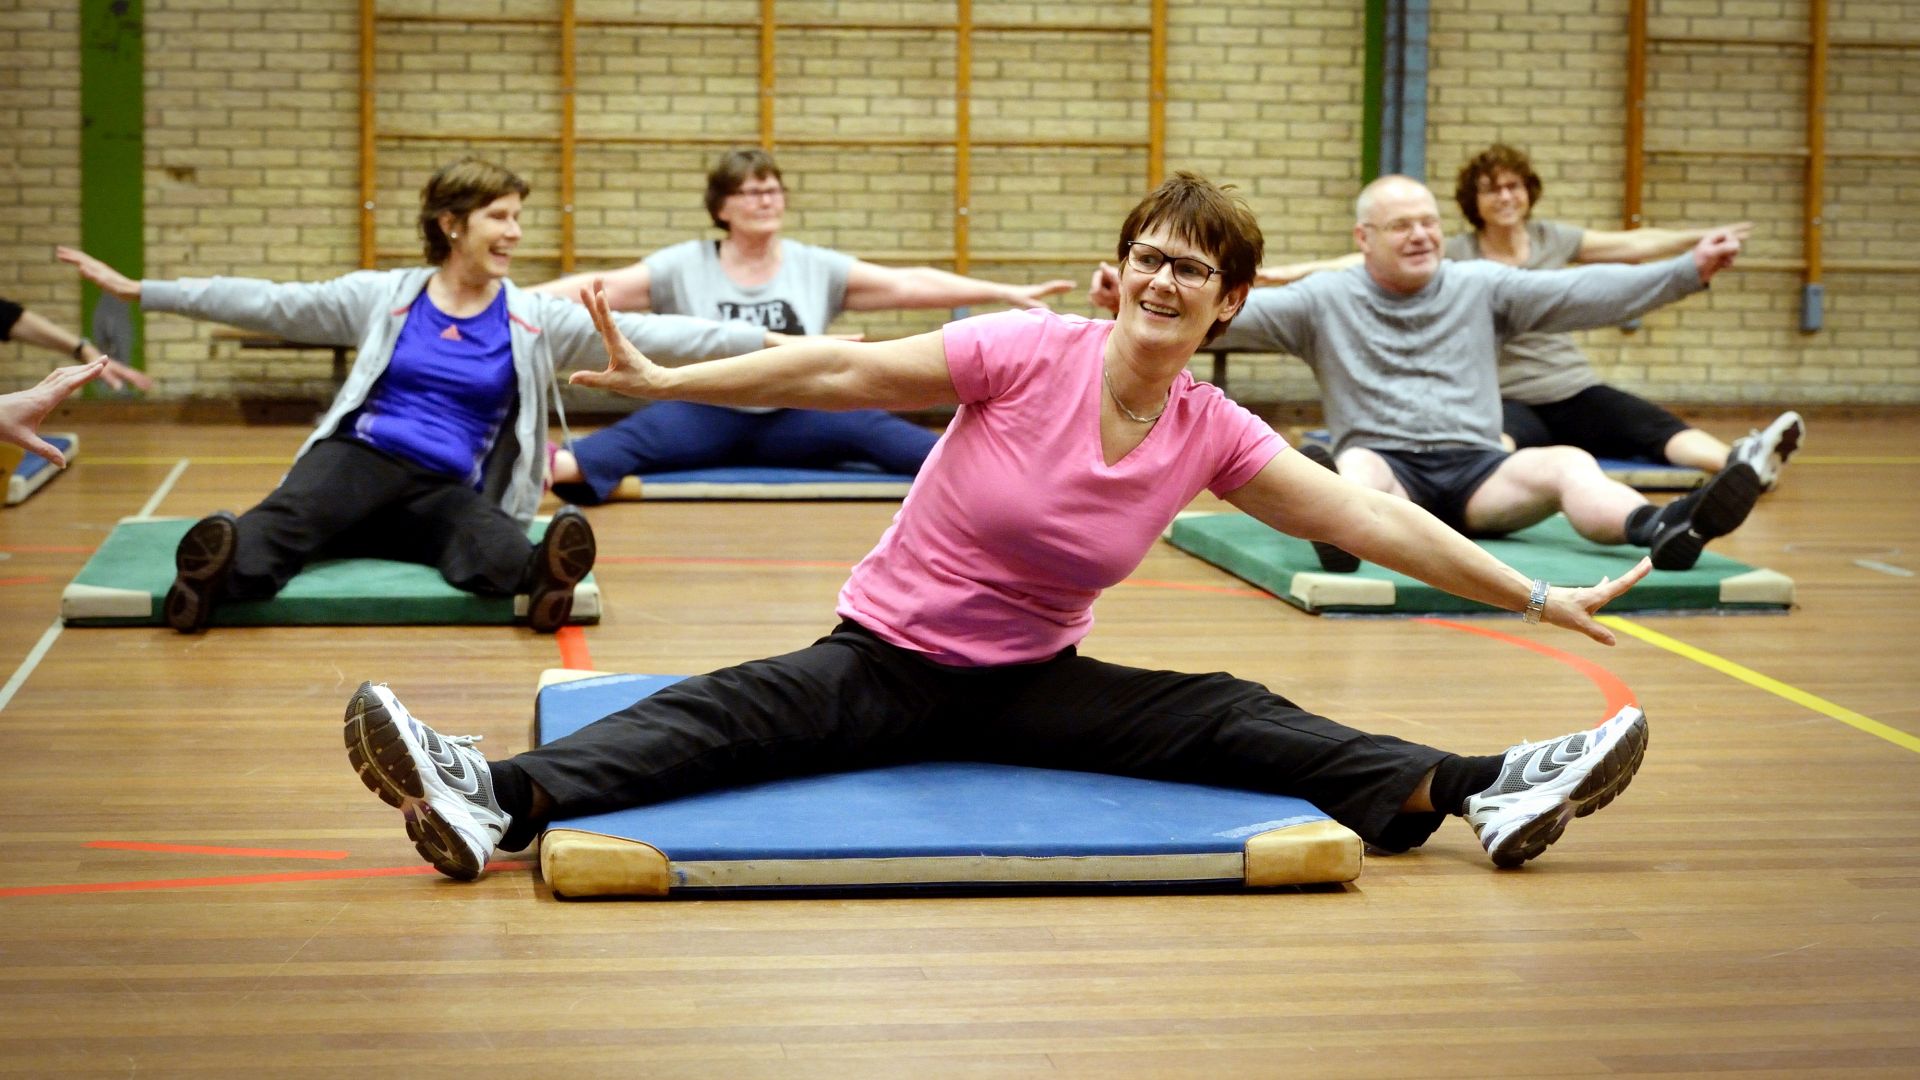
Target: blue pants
point(673, 435)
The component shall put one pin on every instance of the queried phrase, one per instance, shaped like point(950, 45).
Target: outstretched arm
point(1288, 273)
point(1302, 499)
point(814, 373)
point(1639, 245)
point(22, 411)
point(629, 288)
point(35, 330)
point(871, 287)
point(332, 312)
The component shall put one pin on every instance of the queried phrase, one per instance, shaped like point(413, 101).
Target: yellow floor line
point(1772, 686)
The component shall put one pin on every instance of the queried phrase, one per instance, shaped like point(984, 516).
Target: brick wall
point(253, 132)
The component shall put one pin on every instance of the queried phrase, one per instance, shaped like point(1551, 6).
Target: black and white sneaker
point(440, 783)
point(1542, 786)
point(560, 560)
point(1767, 450)
point(1333, 560)
point(1715, 510)
point(201, 564)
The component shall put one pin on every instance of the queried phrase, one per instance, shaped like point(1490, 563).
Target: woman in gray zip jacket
point(434, 450)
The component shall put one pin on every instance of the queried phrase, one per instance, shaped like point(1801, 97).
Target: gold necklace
point(1107, 380)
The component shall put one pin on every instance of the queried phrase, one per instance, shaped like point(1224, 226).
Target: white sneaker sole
point(1580, 791)
point(383, 757)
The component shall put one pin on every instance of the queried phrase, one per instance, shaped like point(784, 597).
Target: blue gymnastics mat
point(1639, 475)
point(929, 825)
point(125, 583)
point(29, 472)
point(763, 482)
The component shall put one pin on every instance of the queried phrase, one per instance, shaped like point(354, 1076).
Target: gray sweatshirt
point(1419, 372)
point(367, 308)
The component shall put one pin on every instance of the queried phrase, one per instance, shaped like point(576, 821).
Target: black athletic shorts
point(1601, 420)
point(9, 314)
point(1441, 481)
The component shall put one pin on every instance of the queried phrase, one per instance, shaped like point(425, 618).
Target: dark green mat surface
point(1287, 568)
point(125, 580)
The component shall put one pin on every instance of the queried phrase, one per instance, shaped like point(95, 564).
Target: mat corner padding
point(1315, 852)
point(1319, 589)
point(28, 472)
point(579, 863)
point(1763, 587)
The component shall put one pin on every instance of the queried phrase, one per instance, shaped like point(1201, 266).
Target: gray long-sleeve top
point(367, 308)
point(1419, 372)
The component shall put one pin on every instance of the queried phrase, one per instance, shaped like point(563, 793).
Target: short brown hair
point(1212, 218)
point(731, 172)
point(1496, 158)
point(459, 189)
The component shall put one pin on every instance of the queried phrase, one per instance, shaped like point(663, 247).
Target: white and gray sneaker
point(1767, 450)
point(440, 783)
point(1542, 786)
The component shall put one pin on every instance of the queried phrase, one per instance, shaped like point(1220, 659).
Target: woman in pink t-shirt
point(1074, 443)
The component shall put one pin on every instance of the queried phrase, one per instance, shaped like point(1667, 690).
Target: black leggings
point(852, 701)
point(345, 499)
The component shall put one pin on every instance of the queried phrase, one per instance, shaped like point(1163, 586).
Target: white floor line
point(53, 632)
point(26, 666)
point(165, 487)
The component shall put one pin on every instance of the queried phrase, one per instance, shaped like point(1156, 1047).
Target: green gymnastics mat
point(1287, 567)
point(125, 581)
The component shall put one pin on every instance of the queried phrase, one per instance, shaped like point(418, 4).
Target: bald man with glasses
point(1405, 347)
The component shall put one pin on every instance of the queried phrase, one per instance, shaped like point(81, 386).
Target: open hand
point(111, 281)
point(1716, 250)
point(628, 370)
point(1104, 288)
point(1574, 608)
point(21, 412)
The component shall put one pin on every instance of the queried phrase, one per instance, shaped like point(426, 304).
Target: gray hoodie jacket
point(366, 309)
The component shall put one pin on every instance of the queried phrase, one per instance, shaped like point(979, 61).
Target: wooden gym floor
point(193, 883)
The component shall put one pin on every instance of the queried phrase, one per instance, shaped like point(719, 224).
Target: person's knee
point(1361, 466)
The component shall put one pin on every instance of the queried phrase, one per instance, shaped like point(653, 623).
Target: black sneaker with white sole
point(439, 783)
point(1769, 449)
point(1333, 560)
point(1715, 510)
point(201, 563)
point(1543, 786)
point(560, 560)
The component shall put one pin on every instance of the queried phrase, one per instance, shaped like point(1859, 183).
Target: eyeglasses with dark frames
point(1188, 272)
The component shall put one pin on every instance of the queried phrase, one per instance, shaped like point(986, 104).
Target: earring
point(453, 236)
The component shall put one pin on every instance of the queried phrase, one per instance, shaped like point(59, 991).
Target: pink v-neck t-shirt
point(1016, 523)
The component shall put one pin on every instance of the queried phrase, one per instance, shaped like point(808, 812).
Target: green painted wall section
point(112, 164)
point(1374, 101)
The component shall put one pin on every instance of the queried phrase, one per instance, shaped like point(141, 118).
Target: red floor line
point(206, 849)
point(37, 580)
point(573, 648)
point(239, 879)
point(1617, 693)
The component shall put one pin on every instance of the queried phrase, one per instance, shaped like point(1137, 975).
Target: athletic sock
point(1643, 525)
point(1458, 776)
